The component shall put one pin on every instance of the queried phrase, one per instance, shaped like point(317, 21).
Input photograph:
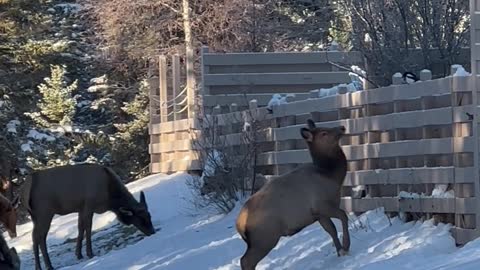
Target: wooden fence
point(239, 77)
point(400, 138)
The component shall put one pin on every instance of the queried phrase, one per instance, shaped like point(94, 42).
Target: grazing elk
point(8, 215)
point(9, 259)
point(84, 189)
point(290, 202)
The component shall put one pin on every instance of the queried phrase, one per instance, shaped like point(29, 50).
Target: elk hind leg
point(257, 250)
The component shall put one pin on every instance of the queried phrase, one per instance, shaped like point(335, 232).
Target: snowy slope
point(205, 241)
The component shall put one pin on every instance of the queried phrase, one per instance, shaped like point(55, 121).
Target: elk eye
point(323, 133)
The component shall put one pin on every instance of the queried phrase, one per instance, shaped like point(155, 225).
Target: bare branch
point(170, 7)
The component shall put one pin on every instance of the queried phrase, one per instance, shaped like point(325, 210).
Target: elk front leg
point(88, 229)
point(329, 227)
point(335, 212)
point(81, 230)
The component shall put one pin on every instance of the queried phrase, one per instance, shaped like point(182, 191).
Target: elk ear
point(125, 211)
point(143, 201)
point(306, 134)
point(16, 202)
point(311, 124)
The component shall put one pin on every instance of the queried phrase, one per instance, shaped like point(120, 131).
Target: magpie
point(409, 77)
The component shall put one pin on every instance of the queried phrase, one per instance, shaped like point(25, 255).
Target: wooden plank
point(242, 100)
point(205, 70)
point(416, 205)
point(171, 126)
point(438, 205)
point(462, 84)
point(191, 83)
point(279, 58)
point(176, 86)
point(436, 175)
point(175, 166)
point(291, 78)
point(366, 204)
point(153, 96)
point(162, 66)
point(362, 98)
point(463, 236)
point(265, 68)
point(264, 135)
point(466, 205)
point(240, 117)
point(440, 116)
point(475, 66)
point(165, 147)
point(376, 150)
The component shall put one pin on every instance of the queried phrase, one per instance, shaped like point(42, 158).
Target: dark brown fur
point(290, 202)
point(9, 259)
point(85, 189)
point(8, 215)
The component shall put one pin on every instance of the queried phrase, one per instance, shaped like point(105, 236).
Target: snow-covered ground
point(195, 239)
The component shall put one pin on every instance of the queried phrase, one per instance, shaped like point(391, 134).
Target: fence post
point(217, 110)
point(475, 61)
point(154, 106)
point(397, 78)
point(290, 97)
point(154, 102)
point(163, 97)
point(205, 71)
point(425, 75)
point(176, 86)
point(233, 107)
point(190, 60)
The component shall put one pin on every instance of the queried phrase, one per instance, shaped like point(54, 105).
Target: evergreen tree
point(138, 111)
point(57, 104)
point(133, 135)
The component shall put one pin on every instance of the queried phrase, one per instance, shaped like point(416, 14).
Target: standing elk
point(290, 202)
point(84, 189)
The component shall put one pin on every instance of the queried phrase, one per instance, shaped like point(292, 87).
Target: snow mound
point(12, 126)
point(39, 136)
point(276, 100)
point(461, 72)
point(26, 147)
point(439, 191)
point(69, 7)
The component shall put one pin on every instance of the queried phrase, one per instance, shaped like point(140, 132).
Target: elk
point(8, 215)
point(293, 201)
point(9, 259)
point(84, 189)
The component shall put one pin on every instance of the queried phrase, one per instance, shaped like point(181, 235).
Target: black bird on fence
point(409, 77)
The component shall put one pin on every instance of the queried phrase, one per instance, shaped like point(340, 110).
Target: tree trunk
point(190, 60)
